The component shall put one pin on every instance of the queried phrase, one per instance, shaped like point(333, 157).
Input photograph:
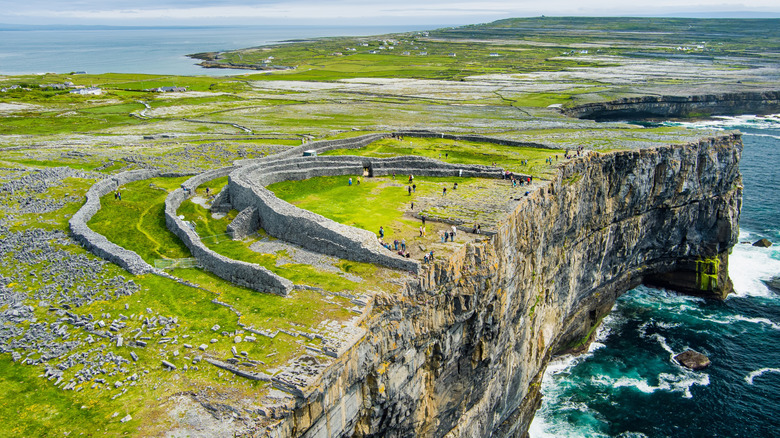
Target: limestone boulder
point(763, 243)
point(693, 360)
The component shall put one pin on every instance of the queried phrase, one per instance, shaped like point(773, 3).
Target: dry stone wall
point(320, 147)
point(241, 273)
point(312, 231)
point(97, 243)
point(246, 222)
point(472, 137)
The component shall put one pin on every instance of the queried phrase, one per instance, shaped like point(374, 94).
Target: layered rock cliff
point(689, 106)
point(461, 352)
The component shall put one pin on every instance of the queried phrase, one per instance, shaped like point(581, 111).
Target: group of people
point(574, 154)
point(519, 180)
point(448, 235)
point(118, 195)
point(401, 252)
point(399, 246)
point(349, 182)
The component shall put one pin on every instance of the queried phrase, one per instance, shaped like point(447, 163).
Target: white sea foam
point(595, 346)
point(667, 325)
point(733, 122)
point(728, 320)
point(776, 137)
point(753, 374)
point(642, 329)
point(562, 363)
point(543, 424)
point(666, 382)
point(662, 341)
point(609, 324)
point(540, 428)
point(758, 321)
point(748, 265)
point(652, 297)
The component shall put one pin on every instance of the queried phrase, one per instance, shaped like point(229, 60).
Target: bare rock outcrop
point(693, 360)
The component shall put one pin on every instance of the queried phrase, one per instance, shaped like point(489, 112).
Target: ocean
point(152, 50)
point(628, 384)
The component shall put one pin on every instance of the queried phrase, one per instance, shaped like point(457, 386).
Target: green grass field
point(137, 222)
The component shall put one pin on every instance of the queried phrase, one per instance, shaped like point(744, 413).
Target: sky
point(354, 12)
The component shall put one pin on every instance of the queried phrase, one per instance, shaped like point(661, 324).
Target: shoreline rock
point(693, 360)
point(762, 243)
point(773, 283)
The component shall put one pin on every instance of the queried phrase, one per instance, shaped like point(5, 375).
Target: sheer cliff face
point(460, 354)
point(666, 107)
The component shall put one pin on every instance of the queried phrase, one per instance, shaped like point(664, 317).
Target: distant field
point(517, 45)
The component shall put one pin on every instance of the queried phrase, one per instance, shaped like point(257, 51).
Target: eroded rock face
point(461, 351)
point(693, 360)
point(667, 107)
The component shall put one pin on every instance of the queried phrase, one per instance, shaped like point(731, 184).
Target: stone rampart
point(319, 146)
point(317, 233)
point(221, 202)
point(245, 223)
point(472, 137)
point(241, 273)
point(97, 243)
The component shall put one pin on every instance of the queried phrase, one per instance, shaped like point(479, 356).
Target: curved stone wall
point(319, 146)
point(280, 219)
point(473, 137)
point(241, 273)
point(97, 243)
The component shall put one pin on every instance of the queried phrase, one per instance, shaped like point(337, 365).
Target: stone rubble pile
point(39, 181)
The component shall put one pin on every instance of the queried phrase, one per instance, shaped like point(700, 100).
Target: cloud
point(436, 10)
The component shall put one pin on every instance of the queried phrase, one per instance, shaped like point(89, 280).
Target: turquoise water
point(628, 384)
point(154, 50)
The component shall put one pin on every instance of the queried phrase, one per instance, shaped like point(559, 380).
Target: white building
point(87, 91)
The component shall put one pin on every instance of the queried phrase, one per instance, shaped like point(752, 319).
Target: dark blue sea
point(628, 385)
point(153, 50)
